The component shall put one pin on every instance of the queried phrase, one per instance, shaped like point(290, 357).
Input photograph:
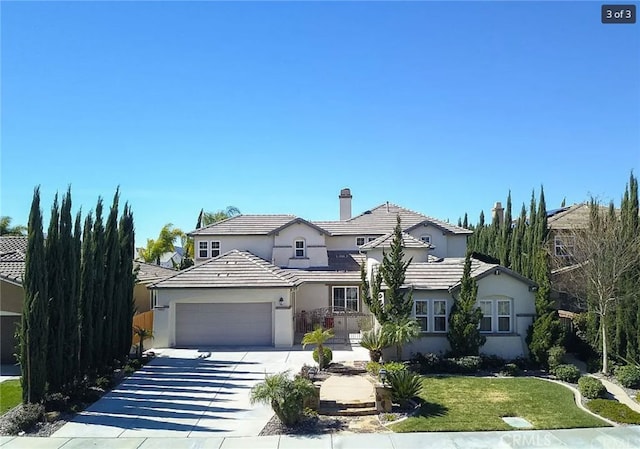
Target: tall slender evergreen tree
point(101, 355)
point(68, 274)
point(56, 309)
point(126, 281)
point(34, 330)
point(86, 315)
point(111, 260)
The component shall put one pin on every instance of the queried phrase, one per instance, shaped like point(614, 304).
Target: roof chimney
point(345, 204)
point(498, 212)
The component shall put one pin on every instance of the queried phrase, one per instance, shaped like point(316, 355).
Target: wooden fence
point(143, 320)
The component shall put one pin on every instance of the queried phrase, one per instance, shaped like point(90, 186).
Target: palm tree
point(207, 218)
point(142, 334)
point(374, 341)
point(285, 396)
point(7, 229)
point(163, 244)
point(401, 332)
point(318, 337)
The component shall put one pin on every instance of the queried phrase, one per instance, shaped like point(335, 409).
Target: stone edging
point(578, 399)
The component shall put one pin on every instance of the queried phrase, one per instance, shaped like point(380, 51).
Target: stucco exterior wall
point(164, 316)
point(315, 247)
point(8, 325)
point(11, 297)
point(312, 296)
point(260, 245)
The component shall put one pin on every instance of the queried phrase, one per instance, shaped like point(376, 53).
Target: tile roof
point(326, 276)
point(446, 274)
point(9, 243)
point(408, 241)
point(148, 272)
point(232, 269)
point(13, 251)
point(246, 225)
point(382, 220)
point(573, 217)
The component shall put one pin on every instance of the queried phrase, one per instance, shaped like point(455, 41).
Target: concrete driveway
point(192, 393)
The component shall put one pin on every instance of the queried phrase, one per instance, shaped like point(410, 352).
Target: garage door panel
point(209, 324)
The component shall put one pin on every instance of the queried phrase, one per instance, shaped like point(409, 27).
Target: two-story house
point(265, 279)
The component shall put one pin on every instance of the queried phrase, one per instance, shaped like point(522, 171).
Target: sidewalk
point(601, 438)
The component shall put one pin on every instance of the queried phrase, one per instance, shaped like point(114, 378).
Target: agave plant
point(405, 385)
point(375, 341)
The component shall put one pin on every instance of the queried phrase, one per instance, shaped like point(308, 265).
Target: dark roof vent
point(367, 212)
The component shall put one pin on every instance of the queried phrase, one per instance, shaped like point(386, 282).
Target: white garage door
point(223, 324)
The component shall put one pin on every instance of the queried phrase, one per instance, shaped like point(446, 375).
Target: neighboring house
point(146, 274)
point(170, 259)
point(267, 279)
point(12, 260)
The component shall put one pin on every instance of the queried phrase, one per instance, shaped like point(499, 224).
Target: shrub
point(468, 364)
point(525, 363)
point(429, 362)
point(327, 356)
point(491, 362)
point(392, 367)
point(285, 396)
point(590, 387)
point(24, 418)
point(56, 402)
point(373, 368)
point(405, 385)
point(103, 383)
point(567, 373)
point(614, 410)
point(555, 357)
point(511, 369)
point(135, 363)
point(628, 376)
point(129, 370)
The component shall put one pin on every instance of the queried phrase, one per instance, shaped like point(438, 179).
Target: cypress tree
point(101, 355)
point(464, 319)
point(85, 310)
point(34, 330)
point(126, 281)
point(56, 309)
point(465, 221)
point(68, 274)
point(111, 262)
point(77, 248)
point(517, 241)
point(398, 302)
point(505, 240)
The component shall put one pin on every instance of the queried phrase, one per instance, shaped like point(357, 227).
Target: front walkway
point(602, 438)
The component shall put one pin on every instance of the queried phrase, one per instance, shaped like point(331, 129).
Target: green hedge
point(628, 376)
point(591, 388)
point(567, 373)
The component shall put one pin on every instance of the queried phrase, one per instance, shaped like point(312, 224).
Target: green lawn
point(10, 394)
point(459, 403)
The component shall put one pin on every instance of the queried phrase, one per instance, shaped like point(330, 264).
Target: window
point(426, 238)
point(496, 315)
point(370, 239)
point(563, 245)
point(203, 249)
point(439, 315)
point(504, 316)
point(422, 314)
point(485, 321)
point(359, 241)
point(431, 314)
point(215, 249)
point(345, 298)
point(300, 248)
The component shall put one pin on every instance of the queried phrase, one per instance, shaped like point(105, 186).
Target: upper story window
point(496, 315)
point(345, 299)
point(360, 241)
point(300, 249)
point(215, 248)
point(431, 314)
point(203, 249)
point(563, 245)
point(426, 238)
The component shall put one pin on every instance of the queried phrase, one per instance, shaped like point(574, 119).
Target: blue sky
point(273, 107)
